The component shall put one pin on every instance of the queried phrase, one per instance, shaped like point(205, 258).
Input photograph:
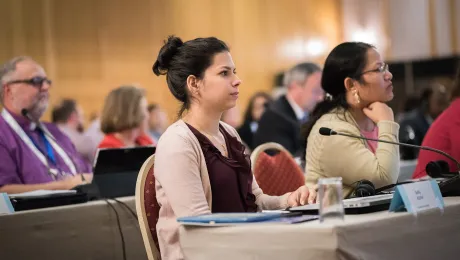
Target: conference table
point(90, 231)
point(380, 235)
point(80, 231)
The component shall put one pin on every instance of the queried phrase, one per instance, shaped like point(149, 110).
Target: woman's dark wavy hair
point(347, 60)
point(248, 112)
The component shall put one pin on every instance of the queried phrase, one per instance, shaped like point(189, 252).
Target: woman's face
point(218, 90)
point(375, 84)
point(258, 108)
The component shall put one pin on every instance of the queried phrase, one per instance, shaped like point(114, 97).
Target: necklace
point(215, 139)
point(224, 147)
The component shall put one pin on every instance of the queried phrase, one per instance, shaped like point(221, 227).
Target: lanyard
point(49, 149)
point(49, 143)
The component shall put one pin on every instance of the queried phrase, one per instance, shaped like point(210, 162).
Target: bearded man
point(34, 155)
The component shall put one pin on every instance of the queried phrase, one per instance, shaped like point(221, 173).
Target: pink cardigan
point(183, 188)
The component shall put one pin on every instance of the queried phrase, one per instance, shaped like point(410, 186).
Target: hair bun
point(167, 52)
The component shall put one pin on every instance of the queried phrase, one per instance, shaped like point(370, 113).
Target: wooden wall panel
point(7, 30)
point(33, 29)
point(75, 28)
point(92, 46)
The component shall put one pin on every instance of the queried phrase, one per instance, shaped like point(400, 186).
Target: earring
point(358, 100)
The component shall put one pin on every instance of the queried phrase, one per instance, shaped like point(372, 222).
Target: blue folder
point(230, 218)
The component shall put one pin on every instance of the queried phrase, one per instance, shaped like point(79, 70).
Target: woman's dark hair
point(178, 60)
point(456, 87)
point(248, 113)
point(346, 60)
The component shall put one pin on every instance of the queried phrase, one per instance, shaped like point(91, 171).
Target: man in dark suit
point(281, 121)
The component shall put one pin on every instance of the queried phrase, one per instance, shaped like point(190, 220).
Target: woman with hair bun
point(200, 164)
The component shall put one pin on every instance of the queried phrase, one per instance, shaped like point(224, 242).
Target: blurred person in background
point(282, 120)
point(415, 124)
point(69, 118)
point(411, 103)
point(34, 155)
point(124, 119)
point(93, 136)
point(158, 121)
point(254, 112)
point(444, 135)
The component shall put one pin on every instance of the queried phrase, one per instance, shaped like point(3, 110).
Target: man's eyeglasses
point(383, 68)
point(35, 81)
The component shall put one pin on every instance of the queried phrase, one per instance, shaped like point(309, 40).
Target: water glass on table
point(330, 200)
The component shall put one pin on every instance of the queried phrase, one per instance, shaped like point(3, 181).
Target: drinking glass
point(330, 200)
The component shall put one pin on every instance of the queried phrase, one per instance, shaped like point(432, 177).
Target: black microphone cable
point(127, 207)
point(120, 230)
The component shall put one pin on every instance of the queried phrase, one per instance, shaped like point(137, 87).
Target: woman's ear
point(350, 84)
point(192, 85)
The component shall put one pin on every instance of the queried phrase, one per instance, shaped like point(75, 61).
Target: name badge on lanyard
point(49, 142)
point(53, 172)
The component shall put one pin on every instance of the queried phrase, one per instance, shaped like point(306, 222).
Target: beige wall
point(405, 30)
point(89, 47)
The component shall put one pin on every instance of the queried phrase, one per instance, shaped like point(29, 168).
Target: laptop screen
point(116, 170)
point(118, 160)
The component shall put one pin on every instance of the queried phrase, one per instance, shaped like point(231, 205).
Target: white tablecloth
point(380, 235)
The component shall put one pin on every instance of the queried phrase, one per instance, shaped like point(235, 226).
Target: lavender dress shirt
point(19, 165)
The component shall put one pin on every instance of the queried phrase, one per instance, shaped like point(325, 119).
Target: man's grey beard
point(37, 110)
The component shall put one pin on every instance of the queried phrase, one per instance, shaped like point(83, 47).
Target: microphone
point(328, 132)
point(26, 114)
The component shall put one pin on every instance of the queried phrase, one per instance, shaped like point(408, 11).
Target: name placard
point(417, 196)
point(5, 204)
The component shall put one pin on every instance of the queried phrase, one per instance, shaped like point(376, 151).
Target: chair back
point(277, 174)
point(148, 208)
